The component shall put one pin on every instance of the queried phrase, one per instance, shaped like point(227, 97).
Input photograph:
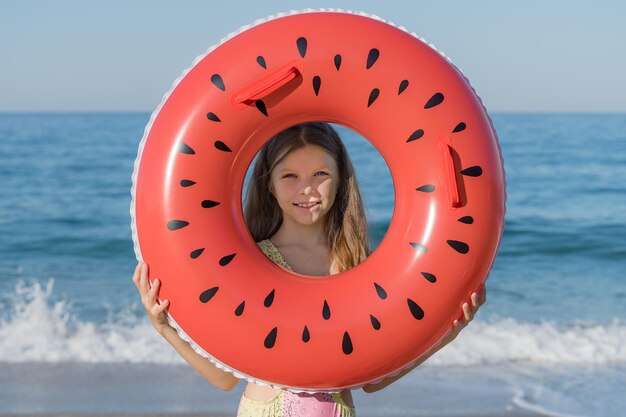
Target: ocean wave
point(37, 328)
point(509, 340)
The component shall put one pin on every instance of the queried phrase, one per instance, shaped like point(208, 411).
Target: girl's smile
point(307, 205)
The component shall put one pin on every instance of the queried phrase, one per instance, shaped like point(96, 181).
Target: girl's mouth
point(306, 206)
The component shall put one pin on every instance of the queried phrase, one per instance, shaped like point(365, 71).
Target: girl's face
point(305, 184)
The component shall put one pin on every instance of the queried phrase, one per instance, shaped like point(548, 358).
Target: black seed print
point(380, 291)
point(269, 299)
point(270, 340)
point(239, 309)
point(429, 277)
point(373, 96)
point(186, 183)
point(317, 82)
point(261, 61)
point(428, 188)
point(460, 127)
point(460, 247)
point(176, 224)
point(415, 135)
point(305, 335)
point(403, 85)
point(213, 117)
point(418, 247)
point(346, 344)
point(208, 294)
point(375, 322)
point(372, 57)
point(209, 203)
point(474, 171)
point(196, 253)
point(337, 61)
point(226, 259)
point(467, 220)
point(326, 311)
point(416, 311)
point(261, 106)
point(218, 82)
point(435, 100)
point(221, 146)
point(301, 42)
point(184, 148)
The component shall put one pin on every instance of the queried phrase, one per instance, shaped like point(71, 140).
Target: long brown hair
point(345, 224)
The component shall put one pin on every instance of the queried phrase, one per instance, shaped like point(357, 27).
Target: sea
point(550, 340)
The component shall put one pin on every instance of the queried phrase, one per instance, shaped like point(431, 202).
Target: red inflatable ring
point(264, 323)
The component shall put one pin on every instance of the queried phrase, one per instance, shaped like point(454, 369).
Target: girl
point(305, 212)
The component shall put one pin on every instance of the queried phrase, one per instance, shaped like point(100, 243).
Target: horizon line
point(152, 111)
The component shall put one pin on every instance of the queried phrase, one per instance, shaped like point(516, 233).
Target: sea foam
point(35, 326)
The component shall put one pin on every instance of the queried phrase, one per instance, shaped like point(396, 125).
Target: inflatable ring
point(258, 320)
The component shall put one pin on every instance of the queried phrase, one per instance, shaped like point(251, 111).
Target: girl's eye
point(293, 175)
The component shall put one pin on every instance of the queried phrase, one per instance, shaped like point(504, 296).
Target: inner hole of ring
point(374, 182)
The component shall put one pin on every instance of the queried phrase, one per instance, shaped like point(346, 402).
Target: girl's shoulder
point(272, 252)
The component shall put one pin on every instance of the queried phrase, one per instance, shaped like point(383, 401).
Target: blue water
point(556, 291)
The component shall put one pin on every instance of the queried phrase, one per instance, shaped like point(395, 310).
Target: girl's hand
point(148, 295)
point(468, 314)
point(156, 312)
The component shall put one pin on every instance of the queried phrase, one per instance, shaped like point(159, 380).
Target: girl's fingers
point(475, 303)
point(136, 275)
point(467, 312)
point(483, 296)
point(160, 308)
point(143, 279)
point(153, 291)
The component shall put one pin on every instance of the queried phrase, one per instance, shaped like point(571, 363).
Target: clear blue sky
point(115, 55)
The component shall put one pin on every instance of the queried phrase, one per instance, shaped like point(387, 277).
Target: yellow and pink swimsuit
point(287, 403)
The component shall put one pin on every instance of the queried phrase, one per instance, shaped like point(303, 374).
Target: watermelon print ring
point(276, 327)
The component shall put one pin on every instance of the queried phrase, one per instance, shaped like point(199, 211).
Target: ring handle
point(267, 84)
point(446, 164)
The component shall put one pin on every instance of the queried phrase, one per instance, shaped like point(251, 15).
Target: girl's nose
point(306, 186)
